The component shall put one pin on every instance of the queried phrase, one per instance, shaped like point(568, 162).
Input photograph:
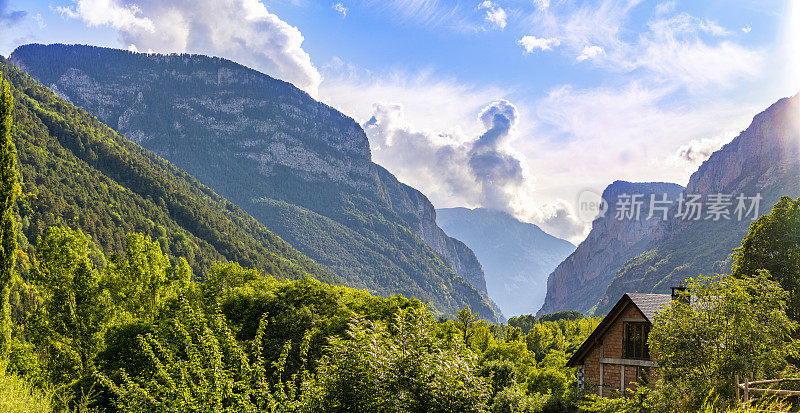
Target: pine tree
point(8, 236)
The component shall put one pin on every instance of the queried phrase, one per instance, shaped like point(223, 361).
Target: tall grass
point(18, 396)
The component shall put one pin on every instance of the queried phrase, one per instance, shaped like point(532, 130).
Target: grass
point(19, 396)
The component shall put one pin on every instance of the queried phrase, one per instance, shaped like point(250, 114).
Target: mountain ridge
point(762, 160)
point(579, 281)
point(270, 148)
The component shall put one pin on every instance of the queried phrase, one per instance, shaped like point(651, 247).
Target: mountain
point(299, 167)
point(516, 256)
point(579, 282)
point(78, 172)
point(764, 159)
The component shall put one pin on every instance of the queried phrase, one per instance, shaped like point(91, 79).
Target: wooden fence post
point(737, 390)
point(746, 389)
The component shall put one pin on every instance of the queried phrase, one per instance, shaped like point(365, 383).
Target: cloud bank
point(240, 30)
point(482, 170)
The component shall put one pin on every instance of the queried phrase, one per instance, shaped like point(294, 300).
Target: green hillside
point(78, 172)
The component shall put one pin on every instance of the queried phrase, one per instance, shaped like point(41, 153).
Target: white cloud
point(673, 51)
point(590, 52)
point(746, 29)
point(495, 14)
point(532, 43)
point(598, 135)
point(712, 27)
point(109, 13)
point(676, 48)
point(665, 7)
point(241, 30)
point(353, 91)
point(455, 168)
point(133, 48)
point(40, 21)
point(541, 4)
point(694, 153)
point(339, 7)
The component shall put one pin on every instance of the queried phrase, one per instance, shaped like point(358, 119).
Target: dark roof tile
point(650, 304)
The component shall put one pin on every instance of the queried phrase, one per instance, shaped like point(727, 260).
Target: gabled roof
point(647, 304)
point(650, 304)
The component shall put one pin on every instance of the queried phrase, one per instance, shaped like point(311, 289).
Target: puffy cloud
point(435, 163)
point(502, 174)
point(590, 52)
point(494, 14)
point(532, 43)
point(746, 29)
point(559, 218)
point(482, 170)
point(697, 151)
point(339, 7)
point(109, 13)
point(10, 17)
point(241, 30)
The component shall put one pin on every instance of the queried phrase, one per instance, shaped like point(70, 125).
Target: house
point(616, 356)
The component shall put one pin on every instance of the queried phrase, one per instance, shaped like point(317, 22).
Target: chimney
point(678, 293)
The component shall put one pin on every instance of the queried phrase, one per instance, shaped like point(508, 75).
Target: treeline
point(144, 335)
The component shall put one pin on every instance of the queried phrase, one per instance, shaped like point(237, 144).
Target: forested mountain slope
point(78, 172)
point(298, 166)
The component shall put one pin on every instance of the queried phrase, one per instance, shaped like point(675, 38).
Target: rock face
point(579, 282)
point(764, 159)
point(516, 256)
point(298, 166)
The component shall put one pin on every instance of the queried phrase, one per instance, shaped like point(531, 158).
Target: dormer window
point(634, 342)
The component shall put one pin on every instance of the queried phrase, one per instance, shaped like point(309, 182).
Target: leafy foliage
point(8, 194)
point(732, 326)
point(773, 244)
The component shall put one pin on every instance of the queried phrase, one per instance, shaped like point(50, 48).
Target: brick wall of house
point(611, 346)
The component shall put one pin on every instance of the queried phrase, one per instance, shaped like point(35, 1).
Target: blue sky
point(590, 92)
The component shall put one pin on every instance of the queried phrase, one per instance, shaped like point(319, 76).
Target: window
point(635, 341)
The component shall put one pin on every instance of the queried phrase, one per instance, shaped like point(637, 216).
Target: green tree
point(401, 367)
point(8, 231)
point(143, 281)
point(773, 244)
point(732, 326)
point(465, 320)
point(196, 365)
point(74, 311)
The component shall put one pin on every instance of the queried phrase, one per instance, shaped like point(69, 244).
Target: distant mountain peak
point(516, 256)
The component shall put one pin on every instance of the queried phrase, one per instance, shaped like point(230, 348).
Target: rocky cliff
point(764, 160)
point(516, 256)
point(298, 166)
point(579, 282)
